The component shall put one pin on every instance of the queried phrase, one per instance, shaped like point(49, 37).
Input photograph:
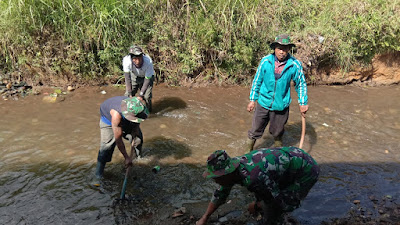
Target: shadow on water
point(162, 147)
point(168, 104)
point(291, 136)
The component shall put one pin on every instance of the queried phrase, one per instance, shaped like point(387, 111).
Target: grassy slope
point(204, 41)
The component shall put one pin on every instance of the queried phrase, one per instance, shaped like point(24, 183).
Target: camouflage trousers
point(274, 209)
point(294, 184)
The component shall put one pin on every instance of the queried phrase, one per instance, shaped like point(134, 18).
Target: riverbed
point(49, 153)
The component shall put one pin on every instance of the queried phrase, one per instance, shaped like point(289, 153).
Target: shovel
point(121, 203)
point(122, 196)
point(124, 184)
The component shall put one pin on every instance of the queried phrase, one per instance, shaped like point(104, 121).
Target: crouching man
point(279, 177)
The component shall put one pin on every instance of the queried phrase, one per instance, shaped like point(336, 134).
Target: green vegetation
point(189, 40)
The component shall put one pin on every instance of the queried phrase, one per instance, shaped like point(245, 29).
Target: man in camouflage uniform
point(279, 177)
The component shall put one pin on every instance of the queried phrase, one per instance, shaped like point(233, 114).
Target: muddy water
point(49, 153)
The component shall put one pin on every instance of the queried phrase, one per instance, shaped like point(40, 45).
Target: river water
point(49, 153)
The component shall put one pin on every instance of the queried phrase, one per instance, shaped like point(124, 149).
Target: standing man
point(271, 90)
point(279, 177)
point(120, 118)
point(139, 75)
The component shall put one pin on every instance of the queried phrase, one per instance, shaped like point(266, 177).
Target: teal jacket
point(274, 94)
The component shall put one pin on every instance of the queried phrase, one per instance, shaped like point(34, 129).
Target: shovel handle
point(126, 179)
point(303, 130)
point(125, 182)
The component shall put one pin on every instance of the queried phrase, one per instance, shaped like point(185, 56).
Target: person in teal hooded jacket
point(271, 90)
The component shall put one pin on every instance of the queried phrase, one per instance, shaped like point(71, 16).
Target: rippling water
point(49, 152)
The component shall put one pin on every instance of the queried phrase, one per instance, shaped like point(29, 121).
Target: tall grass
point(189, 40)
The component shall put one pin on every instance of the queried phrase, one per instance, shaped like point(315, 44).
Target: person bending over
point(279, 177)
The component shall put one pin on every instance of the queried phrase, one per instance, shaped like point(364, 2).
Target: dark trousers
point(262, 117)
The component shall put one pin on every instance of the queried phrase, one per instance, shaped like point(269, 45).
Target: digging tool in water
point(124, 184)
point(122, 196)
point(303, 130)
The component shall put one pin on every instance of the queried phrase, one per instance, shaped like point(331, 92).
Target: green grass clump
point(204, 40)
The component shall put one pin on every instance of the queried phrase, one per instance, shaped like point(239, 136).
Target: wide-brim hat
point(134, 110)
point(219, 163)
point(282, 39)
point(135, 50)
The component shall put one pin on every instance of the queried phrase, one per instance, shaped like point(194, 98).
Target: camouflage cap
point(135, 50)
point(219, 163)
point(134, 110)
point(282, 39)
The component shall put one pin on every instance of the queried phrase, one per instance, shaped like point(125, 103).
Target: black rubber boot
point(100, 169)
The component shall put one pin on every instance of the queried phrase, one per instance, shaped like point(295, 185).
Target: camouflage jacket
point(284, 174)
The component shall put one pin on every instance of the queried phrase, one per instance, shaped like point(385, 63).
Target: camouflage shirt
point(284, 175)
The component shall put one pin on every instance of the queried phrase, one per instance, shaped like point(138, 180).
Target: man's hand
point(303, 110)
point(141, 99)
point(251, 106)
point(210, 210)
point(202, 220)
point(128, 161)
point(253, 208)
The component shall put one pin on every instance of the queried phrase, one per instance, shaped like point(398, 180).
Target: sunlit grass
point(212, 40)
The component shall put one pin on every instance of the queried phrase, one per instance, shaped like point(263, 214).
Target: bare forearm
point(210, 210)
point(122, 148)
point(117, 130)
point(146, 84)
point(128, 83)
point(119, 141)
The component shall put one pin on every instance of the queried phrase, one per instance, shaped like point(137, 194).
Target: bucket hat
point(219, 163)
point(135, 50)
point(282, 39)
point(134, 110)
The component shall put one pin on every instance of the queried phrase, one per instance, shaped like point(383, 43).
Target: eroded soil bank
point(383, 71)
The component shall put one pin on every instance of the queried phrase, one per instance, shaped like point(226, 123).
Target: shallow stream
point(49, 152)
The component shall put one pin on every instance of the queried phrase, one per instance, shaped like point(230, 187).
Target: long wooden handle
point(303, 131)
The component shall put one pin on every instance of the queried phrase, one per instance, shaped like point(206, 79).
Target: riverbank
point(384, 71)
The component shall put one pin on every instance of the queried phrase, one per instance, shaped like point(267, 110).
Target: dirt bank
point(384, 70)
